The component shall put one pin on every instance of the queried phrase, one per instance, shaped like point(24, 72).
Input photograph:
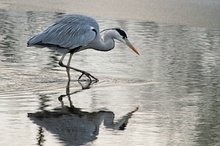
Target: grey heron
point(73, 33)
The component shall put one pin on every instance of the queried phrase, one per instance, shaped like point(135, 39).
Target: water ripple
point(174, 82)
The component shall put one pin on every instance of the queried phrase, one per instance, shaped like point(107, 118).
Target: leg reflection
point(75, 126)
point(84, 85)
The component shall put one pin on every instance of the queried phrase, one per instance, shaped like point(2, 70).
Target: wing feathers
point(69, 32)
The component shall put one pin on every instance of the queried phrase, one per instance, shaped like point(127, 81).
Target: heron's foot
point(89, 76)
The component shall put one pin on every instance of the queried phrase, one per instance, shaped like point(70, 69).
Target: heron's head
point(121, 35)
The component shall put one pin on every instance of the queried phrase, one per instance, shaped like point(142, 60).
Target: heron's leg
point(89, 76)
point(66, 66)
point(69, 67)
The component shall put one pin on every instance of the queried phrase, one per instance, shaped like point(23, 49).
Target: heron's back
point(69, 32)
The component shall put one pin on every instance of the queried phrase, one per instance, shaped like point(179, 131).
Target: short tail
point(35, 40)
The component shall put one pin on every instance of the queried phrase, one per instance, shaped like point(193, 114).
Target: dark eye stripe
point(121, 32)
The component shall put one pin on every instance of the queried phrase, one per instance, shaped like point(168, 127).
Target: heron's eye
point(123, 37)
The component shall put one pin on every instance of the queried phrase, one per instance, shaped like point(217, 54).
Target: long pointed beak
point(131, 46)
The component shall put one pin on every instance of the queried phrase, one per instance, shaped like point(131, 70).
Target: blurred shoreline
point(199, 13)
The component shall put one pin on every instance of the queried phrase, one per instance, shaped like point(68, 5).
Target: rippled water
point(169, 95)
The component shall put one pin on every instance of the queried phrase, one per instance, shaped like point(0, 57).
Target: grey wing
point(66, 34)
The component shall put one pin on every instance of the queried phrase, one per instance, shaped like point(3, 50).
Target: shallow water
point(174, 83)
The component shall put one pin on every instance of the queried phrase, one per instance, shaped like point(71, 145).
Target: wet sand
point(201, 13)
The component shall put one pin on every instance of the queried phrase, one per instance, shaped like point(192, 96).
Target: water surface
point(169, 95)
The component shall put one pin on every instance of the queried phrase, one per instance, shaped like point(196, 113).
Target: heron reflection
point(74, 126)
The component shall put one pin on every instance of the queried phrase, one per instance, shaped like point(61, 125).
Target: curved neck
point(105, 44)
point(108, 39)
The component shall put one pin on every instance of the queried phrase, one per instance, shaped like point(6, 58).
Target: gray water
point(167, 96)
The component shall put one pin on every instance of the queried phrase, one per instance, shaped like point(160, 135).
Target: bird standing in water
point(73, 33)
